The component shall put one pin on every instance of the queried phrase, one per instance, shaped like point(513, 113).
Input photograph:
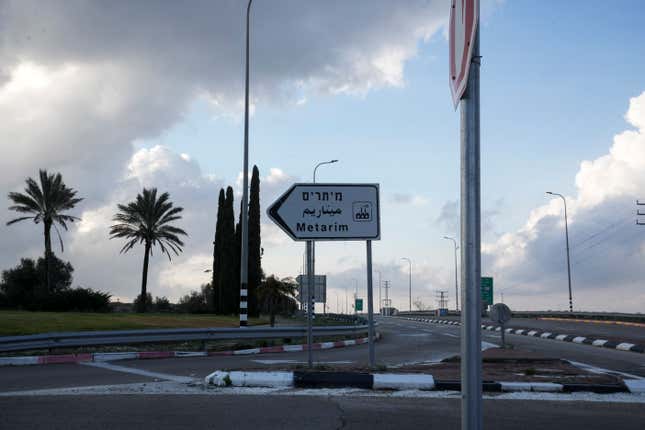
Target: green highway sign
point(358, 305)
point(487, 290)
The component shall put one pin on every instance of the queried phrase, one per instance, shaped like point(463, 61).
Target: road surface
point(160, 397)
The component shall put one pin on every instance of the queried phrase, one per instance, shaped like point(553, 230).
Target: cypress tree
point(229, 258)
point(217, 256)
point(255, 245)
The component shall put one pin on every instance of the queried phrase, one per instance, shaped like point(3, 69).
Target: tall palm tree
point(274, 293)
point(146, 220)
point(46, 203)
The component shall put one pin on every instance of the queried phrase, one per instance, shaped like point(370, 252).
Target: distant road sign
point(358, 305)
point(487, 291)
point(320, 290)
point(462, 29)
point(329, 212)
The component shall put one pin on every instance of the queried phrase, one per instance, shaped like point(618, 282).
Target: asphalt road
point(283, 412)
point(404, 342)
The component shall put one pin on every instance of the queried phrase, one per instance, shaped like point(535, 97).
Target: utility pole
point(566, 232)
point(409, 278)
point(386, 305)
point(456, 276)
point(380, 301)
point(244, 253)
point(442, 299)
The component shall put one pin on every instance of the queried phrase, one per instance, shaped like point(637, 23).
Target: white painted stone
point(624, 346)
point(393, 381)
point(579, 339)
point(635, 385)
point(561, 337)
point(599, 342)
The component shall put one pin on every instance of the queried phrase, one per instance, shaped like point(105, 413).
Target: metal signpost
point(464, 86)
point(322, 212)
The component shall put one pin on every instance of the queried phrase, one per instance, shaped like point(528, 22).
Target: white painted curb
point(391, 381)
point(250, 379)
point(635, 385)
point(544, 387)
point(18, 361)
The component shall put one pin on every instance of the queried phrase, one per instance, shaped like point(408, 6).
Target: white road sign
point(462, 29)
point(329, 212)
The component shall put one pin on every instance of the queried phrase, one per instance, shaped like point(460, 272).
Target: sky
point(144, 94)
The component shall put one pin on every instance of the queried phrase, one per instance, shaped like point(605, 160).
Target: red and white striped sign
point(462, 30)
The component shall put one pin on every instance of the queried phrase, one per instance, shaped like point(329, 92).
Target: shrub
point(162, 304)
point(23, 284)
point(149, 303)
point(78, 300)
point(194, 303)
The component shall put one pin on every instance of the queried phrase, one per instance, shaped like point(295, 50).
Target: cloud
point(449, 217)
point(606, 245)
point(81, 82)
point(408, 199)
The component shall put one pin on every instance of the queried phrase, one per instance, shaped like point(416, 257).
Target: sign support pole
point(370, 305)
point(471, 363)
point(310, 296)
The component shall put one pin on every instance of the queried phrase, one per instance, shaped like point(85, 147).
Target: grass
point(23, 322)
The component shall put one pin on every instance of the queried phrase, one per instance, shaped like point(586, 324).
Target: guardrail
point(123, 337)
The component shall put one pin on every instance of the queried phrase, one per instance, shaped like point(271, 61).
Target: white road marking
point(154, 375)
point(594, 369)
point(488, 345)
point(449, 334)
point(301, 362)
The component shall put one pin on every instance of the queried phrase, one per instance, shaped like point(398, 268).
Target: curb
point(398, 381)
point(602, 343)
point(143, 355)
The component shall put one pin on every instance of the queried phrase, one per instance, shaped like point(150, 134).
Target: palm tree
point(46, 203)
point(274, 292)
point(146, 220)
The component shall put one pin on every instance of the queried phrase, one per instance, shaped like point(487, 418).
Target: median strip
point(397, 382)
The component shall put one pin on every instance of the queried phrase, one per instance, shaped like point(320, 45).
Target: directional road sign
point(463, 26)
point(487, 290)
point(329, 212)
point(320, 288)
point(358, 305)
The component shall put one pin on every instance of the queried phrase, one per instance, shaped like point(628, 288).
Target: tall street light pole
point(380, 303)
point(313, 243)
point(566, 232)
point(409, 279)
point(456, 276)
point(244, 257)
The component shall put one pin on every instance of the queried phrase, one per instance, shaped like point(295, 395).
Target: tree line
point(148, 220)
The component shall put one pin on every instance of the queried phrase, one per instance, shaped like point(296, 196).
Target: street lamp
point(409, 279)
point(566, 232)
point(244, 253)
point(380, 303)
point(456, 284)
point(313, 243)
